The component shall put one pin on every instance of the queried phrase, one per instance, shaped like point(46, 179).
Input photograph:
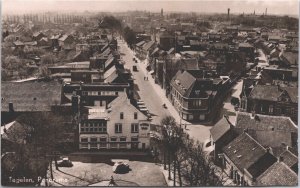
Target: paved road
point(154, 96)
point(144, 88)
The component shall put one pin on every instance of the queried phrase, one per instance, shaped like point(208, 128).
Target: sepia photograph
point(128, 93)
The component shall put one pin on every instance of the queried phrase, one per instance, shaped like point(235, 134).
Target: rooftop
point(279, 174)
point(30, 96)
point(244, 151)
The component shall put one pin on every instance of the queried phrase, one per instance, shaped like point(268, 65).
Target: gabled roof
point(220, 129)
point(122, 104)
point(244, 151)
point(148, 45)
point(64, 37)
point(278, 174)
point(30, 96)
point(265, 123)
point(273, 92)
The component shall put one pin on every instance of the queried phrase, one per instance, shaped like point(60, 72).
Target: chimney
point(245, 130)
point(11, 107)
point(270, 150)
point(252, 114)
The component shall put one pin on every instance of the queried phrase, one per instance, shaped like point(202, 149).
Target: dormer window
point(197, 92)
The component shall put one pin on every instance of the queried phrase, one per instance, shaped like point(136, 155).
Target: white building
point(121, 126)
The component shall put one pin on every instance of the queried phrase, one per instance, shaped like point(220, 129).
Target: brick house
point(196, 94)
point(272, 100)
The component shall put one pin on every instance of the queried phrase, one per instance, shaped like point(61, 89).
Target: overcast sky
point(285, 7)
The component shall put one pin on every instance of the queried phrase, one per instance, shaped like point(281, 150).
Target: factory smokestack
point(228, 13)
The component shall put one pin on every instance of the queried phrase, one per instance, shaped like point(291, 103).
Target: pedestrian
point(144, 77)
point(147, 77)
point(185, 126)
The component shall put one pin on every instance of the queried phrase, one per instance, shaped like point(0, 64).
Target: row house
point(277, 133)
point(196, 94)
point(258, 151)
point(119, 126)
point(244, 160)
point(272, 100)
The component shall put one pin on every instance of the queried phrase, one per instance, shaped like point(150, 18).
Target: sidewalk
point(166, 175)
point(143, 65)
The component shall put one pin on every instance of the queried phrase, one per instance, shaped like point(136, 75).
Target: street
point(154, 96)
point(147, 93)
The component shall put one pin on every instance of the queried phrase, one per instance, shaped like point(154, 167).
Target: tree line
point(110, 22)
point(184, 158)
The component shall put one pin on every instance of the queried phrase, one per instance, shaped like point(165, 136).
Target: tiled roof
point(122, 104)
point(219, 129)
point(267, 130)
point(265, 122)
point(289, 158)
point(273, 92)
point(244, 151)
point(30, 96)
point(278, 174)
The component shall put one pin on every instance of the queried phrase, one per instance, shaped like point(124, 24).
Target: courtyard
point(85, 174)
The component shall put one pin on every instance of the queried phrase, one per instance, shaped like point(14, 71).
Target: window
point(93, 139)
point(84, 139)
point(118, 128)
point(134, 128)
point(121, 115)
point(84, 93)
point(271, 109)
point(134, 139)
point(91, 129)
point(135, 115)
point(113, 145)
point(84, 75)
point(102, 139)
point(123, 139)
point(116, 93)
point(82, 129)
point(102, 127)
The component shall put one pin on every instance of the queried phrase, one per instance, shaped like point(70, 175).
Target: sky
point(279, 7)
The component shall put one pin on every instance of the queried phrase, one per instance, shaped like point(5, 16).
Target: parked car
point(66, 162)
point(120, 168)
